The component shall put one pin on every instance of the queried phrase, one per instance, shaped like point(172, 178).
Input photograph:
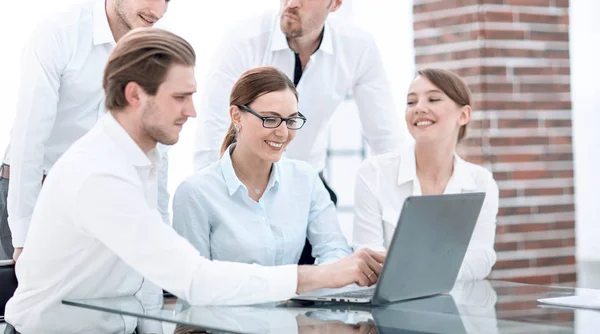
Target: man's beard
point(154, 131)
point(160, 136)
point(286, 27)
point(291, 33)
point(122, 17)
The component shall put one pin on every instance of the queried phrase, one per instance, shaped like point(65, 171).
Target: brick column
point(515, 56)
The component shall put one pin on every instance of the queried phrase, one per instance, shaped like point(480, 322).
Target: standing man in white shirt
point(327, 61)
point(96, 231)
point(60, 99)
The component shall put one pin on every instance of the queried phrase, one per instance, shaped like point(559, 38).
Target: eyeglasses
point(272, 122)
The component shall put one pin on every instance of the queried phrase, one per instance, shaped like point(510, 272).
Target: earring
point(237, 129)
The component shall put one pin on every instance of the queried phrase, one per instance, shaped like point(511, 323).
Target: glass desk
point(471, 307)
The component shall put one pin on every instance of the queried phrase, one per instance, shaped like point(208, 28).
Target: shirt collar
point(279, 41)
point(128, 146)
point(102, 32)
point(327, 41)
point(233, 183)
point(231, 179)
point(461, 178)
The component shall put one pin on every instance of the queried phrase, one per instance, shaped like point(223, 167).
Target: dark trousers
point(306, 257)
point(10, 329)
point(6, 248)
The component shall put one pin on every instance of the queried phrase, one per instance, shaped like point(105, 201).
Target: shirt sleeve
point(377, 110)
point(227, 65)
point(324, 233)
point(368, 228)
point(190, 219)
point(114, 210)
point(42, 63)
point(480, 256)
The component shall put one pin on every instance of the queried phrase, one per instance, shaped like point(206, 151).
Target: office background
point(532, 66)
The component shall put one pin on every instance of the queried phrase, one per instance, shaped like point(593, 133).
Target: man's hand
point(362, 267)
point(17, 253)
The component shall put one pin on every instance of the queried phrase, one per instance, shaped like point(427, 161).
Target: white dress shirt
point(96, 233)
point(60, 99)
point(346, 63)
point(213, 211)
point(384, 182)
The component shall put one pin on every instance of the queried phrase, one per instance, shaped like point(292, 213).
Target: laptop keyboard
point(366, 293)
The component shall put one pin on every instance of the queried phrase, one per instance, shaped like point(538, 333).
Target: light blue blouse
point(213, 211)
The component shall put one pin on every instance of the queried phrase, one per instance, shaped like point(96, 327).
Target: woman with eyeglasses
point(252, 205)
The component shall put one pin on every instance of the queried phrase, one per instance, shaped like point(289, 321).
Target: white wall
point(391, 25)
point(585, 90)
point(202, 23)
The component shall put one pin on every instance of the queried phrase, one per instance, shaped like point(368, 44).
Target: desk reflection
point(438, 314)
point(471, 307)
point(476, 303)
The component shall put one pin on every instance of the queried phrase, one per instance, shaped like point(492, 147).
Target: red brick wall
point(515, 56)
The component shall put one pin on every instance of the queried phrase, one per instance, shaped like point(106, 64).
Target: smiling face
point(265, 144)
point(140, 13)
point(432, 116)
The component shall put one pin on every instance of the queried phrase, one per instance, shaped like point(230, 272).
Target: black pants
point(10, 329)
point(306, 257)
point(6, 248)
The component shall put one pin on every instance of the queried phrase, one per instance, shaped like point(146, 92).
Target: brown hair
point(251, 85)
point(143, 56)
point(453, 86)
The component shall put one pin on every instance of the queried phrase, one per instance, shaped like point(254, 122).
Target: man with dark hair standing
point(60, 99)
point(99, 202)
point(327, 61)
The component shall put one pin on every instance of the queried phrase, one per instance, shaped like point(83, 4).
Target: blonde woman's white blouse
point(383, 183)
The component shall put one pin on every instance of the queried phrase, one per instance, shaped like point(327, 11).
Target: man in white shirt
point(95, 230)
point(60, 99)
point(328, 61)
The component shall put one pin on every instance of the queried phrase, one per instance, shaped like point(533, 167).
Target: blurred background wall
point(532, 65)
point(515, 57)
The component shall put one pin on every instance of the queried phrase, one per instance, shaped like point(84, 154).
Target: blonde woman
point(438, 111)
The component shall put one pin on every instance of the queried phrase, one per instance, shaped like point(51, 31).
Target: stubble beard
point(151, 128)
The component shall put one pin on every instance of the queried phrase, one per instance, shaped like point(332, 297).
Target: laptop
point(425, 255)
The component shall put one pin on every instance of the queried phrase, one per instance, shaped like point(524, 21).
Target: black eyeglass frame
point(280, 119)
